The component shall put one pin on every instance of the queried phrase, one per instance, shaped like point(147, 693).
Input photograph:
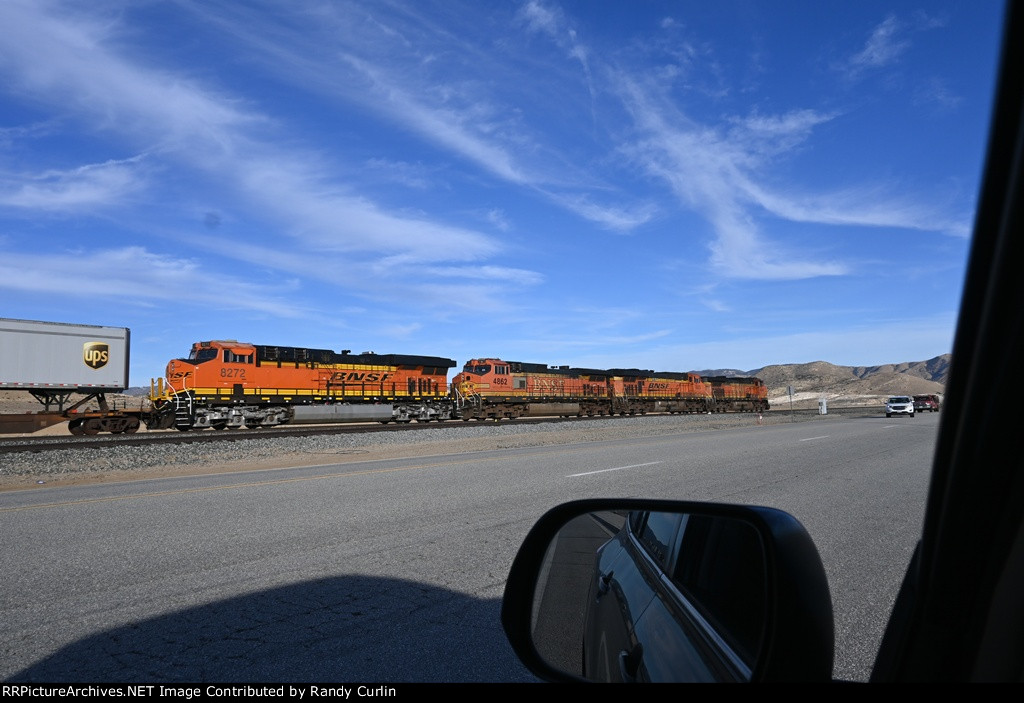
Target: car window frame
point(958, 615)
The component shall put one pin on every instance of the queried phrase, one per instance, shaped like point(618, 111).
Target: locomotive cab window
point(231, 357)
point(201, 355)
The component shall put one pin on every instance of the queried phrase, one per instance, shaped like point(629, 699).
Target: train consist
point(225, 384)
point(229, 384)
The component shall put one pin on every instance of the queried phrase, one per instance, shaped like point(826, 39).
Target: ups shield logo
point(96, 354)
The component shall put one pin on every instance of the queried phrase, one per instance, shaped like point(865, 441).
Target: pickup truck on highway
point(926, 403)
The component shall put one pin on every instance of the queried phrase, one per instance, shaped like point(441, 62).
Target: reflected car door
point(619, 592)
point(711, 609)
point(671, 602)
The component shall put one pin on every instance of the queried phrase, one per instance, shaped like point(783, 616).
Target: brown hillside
point(850, 385)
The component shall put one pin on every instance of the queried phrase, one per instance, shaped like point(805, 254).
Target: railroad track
point(9, 445)
point(174, 437)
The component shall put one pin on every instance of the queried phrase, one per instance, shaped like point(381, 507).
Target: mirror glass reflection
point(644, 596)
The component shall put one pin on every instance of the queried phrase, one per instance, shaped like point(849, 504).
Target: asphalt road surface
point(393, 571)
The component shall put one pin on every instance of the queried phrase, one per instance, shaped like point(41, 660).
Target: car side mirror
point(648, 590)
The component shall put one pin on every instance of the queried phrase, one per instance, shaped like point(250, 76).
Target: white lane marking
point(808, 439)
point(617, 468)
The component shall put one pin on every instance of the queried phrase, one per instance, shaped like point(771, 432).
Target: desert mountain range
point(853, 385)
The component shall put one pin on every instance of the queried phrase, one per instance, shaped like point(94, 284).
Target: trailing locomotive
point(229, 384)
point(738, 394)
point(493, 388)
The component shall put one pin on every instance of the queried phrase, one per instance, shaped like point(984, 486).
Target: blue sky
point(663, 185)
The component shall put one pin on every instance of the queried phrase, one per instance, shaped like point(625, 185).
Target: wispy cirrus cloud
point(725, 173)
point(883, 47)
point(74, 190)
point(451, 92)
point(134, 276)
point(713, 172)
point(886, 44)
point(77, 63)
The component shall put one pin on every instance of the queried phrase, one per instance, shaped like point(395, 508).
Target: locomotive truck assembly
point(226, 384)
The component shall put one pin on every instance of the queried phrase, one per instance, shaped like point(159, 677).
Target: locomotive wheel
point(133, 426)
point(75, 427)
point(91, 427)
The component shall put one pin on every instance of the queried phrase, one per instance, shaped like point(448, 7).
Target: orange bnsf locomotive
point(738, 394)
point(493, 388)
point(229, 384)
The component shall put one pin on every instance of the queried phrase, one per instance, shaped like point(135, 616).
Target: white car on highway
point(899, 405)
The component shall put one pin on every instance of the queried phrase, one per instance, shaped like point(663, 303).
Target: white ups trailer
point(63, 357)
point(52, 361)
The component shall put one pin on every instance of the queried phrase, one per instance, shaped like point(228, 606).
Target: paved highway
point(392, 571)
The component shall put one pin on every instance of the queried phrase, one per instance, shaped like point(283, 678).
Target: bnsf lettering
point(546, 383)
point(361, 376)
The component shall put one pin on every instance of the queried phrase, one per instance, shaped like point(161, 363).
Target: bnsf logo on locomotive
point(96, 354)
point(372, 377)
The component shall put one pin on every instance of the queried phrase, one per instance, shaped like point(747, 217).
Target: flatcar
point(229, 384)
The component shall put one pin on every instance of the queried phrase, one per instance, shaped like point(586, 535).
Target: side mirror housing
point(649, 590)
